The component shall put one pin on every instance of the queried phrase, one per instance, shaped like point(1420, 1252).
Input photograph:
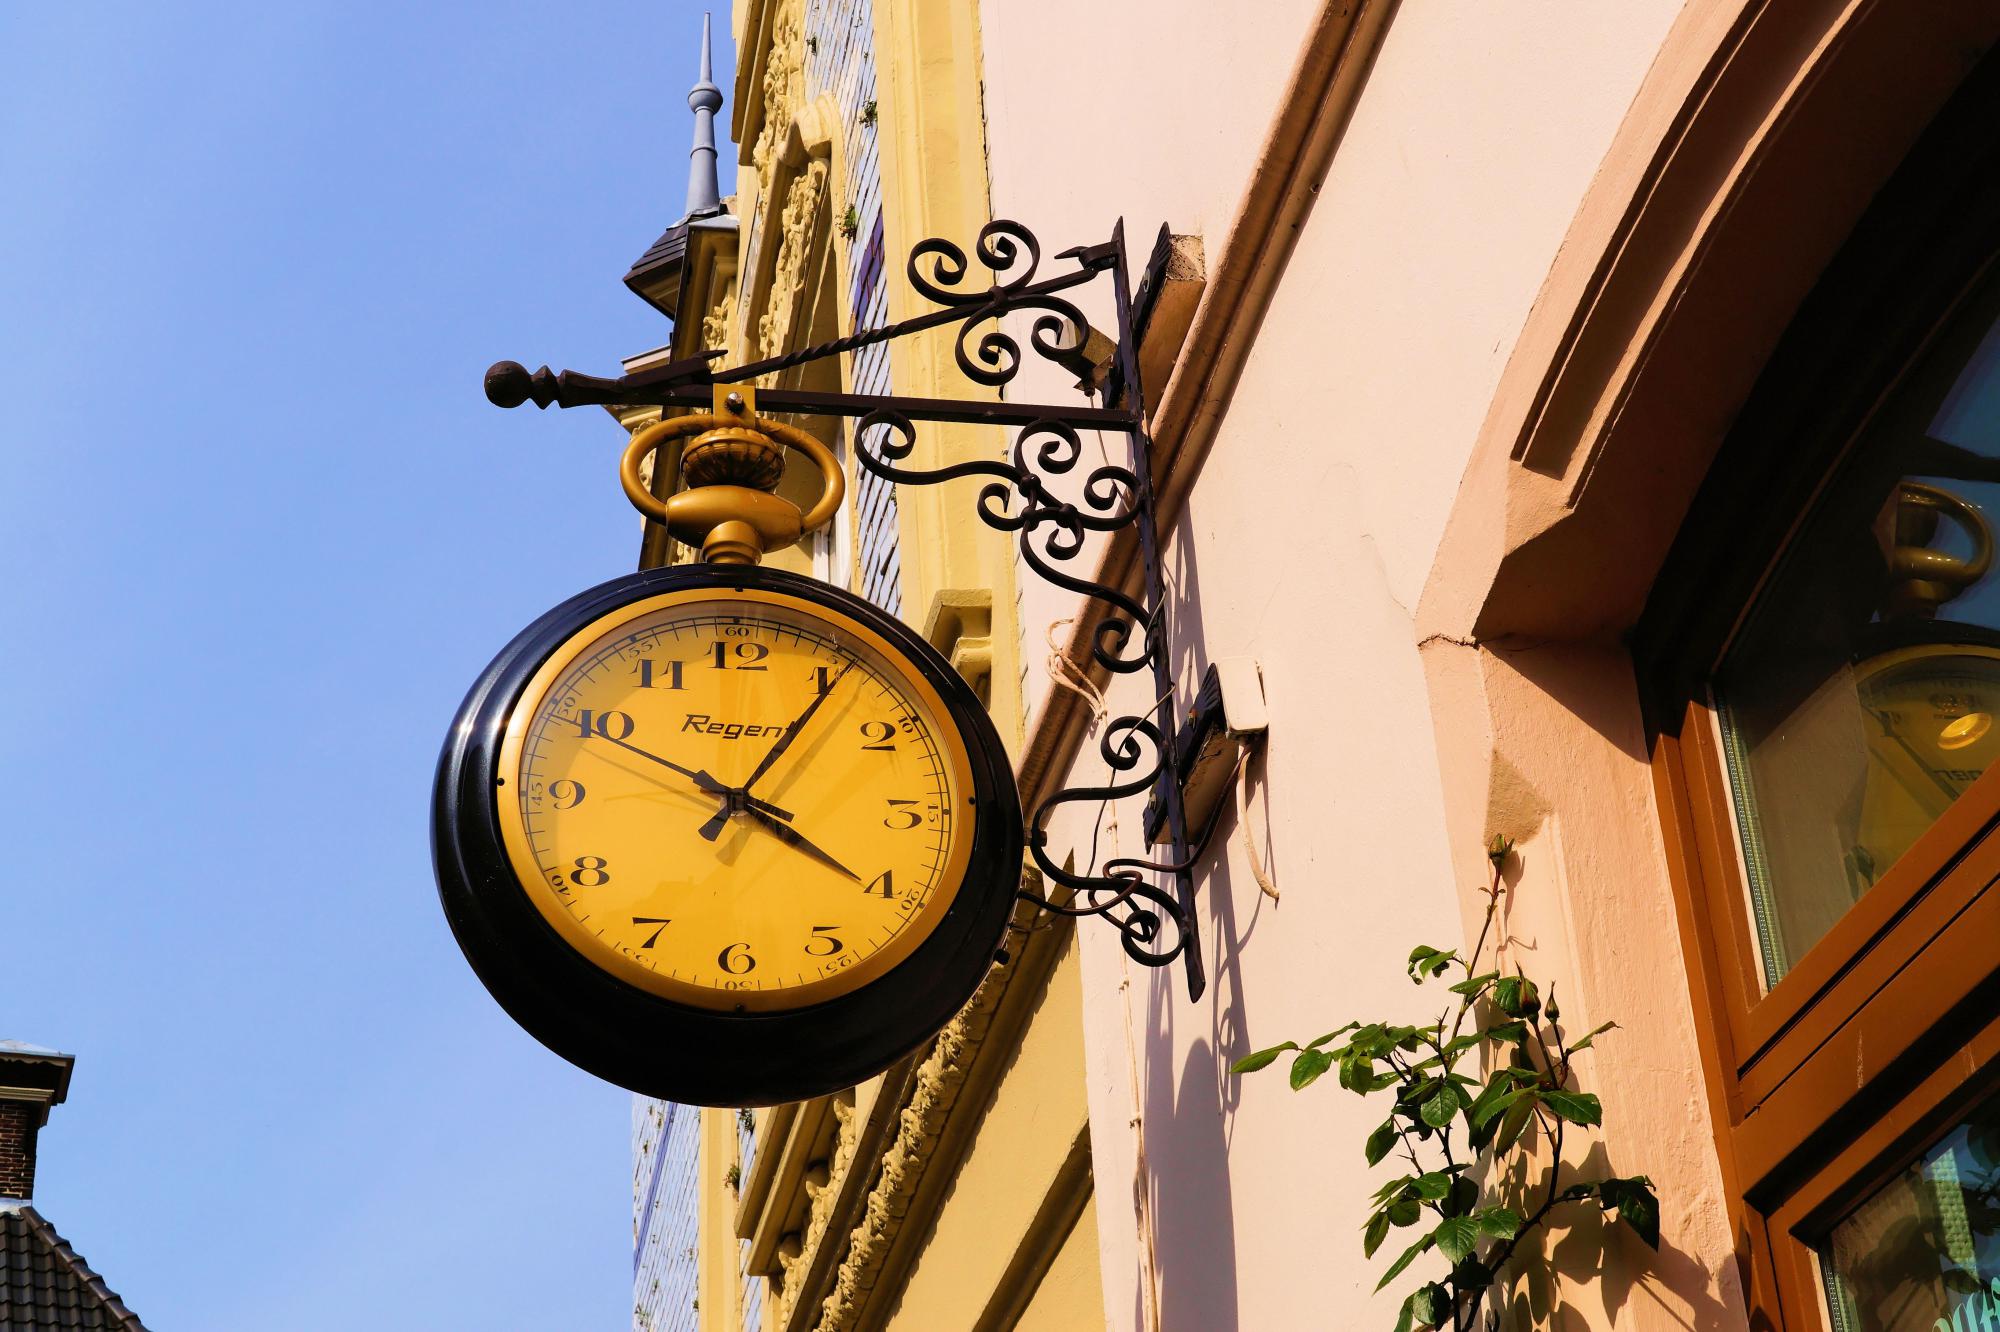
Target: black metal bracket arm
point(1151, 903)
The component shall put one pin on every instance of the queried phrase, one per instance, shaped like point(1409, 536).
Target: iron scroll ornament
point(1156, 926)
point(1151, 925)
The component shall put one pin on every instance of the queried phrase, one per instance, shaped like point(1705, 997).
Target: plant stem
point(1499, 1262)
point(1471, 964)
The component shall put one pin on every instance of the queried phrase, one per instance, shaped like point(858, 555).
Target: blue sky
point(259, 530)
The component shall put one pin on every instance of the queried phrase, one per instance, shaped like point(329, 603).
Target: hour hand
point(735, 800)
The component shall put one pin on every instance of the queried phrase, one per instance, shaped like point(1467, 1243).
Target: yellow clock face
point(1930, 711)
point(739, 801)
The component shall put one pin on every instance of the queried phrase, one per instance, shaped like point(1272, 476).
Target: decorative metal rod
point(1001, 297)
point(509, 384)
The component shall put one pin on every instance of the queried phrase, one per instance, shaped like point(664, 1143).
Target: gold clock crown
point(1921, 577)
point(720, 486)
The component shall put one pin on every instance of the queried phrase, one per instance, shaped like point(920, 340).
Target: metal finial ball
point(507, 384)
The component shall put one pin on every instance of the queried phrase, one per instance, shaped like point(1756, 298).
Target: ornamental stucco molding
point(934, 1091)
point(781, 301)
point(715, 326)
point(821, 1186)
point(784, 76)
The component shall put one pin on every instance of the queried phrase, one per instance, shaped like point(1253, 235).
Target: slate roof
point(45, 1286)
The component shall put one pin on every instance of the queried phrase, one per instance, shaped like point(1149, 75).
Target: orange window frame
point(1830, 1081)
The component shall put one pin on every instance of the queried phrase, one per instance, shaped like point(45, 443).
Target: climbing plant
point(1469, 1187)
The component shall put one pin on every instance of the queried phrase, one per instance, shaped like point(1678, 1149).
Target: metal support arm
point(1151, 903)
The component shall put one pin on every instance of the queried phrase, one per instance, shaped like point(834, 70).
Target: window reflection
point(1861, 697)
point(1923, 1254)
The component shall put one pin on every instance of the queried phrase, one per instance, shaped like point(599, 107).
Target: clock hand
point(738, 799)
point(792, 837)
point(792, 731)
point(705, 780)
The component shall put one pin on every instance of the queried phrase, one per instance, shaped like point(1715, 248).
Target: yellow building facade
point(955, 1190)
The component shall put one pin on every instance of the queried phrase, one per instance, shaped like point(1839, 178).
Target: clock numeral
point(884, 887)
point(729, 957)
point(882, 735)
point(651, 673)
point(895, 818)
point(610, 725)
point(820, 936)
point(749, 653)
point(823, 680)
point(589, 872)
point(654, 937)
point(566, 794)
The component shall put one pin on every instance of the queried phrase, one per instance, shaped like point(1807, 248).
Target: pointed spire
point(704, 194)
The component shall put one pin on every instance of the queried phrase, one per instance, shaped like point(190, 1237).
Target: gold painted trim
point(528, 871)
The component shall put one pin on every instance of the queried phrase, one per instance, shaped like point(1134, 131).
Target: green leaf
point(1432, 1187)
point(1474, 984)
point(1357, 1073)
point(1576, 1107)
point(1591, 1035)
point(1442, 1105)
point(1429, 1306)
point(1404, 1212)
point(1517, 1118)
point(1499, 1222)
point(1410, 1255)
point(1252, 1062)
point(1308, 1066)
point(1514, 1032)
point(1457, 1236)
point(1638, 1207)
point(1375, 1232)
point(1516, 996)
point(1426, 962)
point(1494, 1102)
point(1382, 1141)
point(1339, 1031)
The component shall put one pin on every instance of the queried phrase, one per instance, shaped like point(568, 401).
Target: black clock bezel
point(652, 1045)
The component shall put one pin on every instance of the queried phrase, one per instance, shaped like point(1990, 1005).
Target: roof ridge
point(109, 1303)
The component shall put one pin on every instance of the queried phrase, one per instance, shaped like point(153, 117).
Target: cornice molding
point(948, 1096)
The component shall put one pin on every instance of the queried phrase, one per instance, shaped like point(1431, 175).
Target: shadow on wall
point(1188, 1207)
point(1190, 1204)
point(1612, 1264)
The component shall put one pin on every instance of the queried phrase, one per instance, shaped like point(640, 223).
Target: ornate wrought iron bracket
point(1149, 902)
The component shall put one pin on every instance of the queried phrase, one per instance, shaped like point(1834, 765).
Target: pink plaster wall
point(1307, 543)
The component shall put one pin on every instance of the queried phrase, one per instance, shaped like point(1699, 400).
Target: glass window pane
point(1860, 698)
point(1923, 1254)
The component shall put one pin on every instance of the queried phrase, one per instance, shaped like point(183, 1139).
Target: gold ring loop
point(1958, 510)
point(643, 443)
point(833, 482)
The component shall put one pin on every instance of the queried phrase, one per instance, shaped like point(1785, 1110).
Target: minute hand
point(706, 781)
point(792, 837)
point(792, 731)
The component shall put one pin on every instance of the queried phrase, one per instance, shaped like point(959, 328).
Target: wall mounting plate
point(1228, 716)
